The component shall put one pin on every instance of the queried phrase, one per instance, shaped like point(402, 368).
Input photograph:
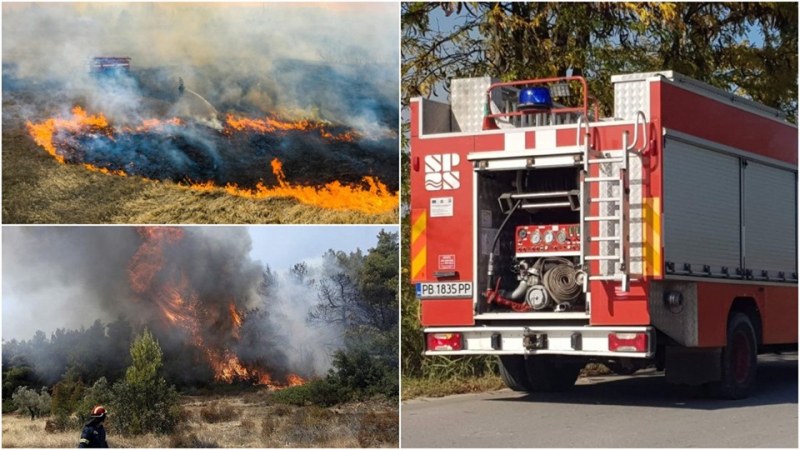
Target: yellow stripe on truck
point(418, 227)
point(419, 248)
point(652, 235)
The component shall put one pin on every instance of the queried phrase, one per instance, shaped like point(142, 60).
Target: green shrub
point(358, 375)
point(99, 394)
point(145, 407)
point(315, 392)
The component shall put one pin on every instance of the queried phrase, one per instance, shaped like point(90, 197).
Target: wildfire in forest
point(152, 279)
point(92, 141)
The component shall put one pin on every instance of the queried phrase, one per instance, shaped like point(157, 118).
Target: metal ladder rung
point(603, 199)
point(600, 218)
point(605, 160)
point(601, 257)
point(603, 238)
point(601, 179)
point(617, 277)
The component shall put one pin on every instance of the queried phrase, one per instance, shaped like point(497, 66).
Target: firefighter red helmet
point(98, 412)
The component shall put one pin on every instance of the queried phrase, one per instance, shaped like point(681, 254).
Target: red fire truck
point(549, 236)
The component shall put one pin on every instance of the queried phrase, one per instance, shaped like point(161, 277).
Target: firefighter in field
point(94, 434)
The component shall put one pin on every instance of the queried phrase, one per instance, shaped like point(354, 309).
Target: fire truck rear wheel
point(552, 373)
point(513, 373)
point(738, 360)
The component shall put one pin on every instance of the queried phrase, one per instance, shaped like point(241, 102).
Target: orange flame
point(179, 307)
point(375, 199)
point(43, 132)
point(294, 380)
point(272, 125)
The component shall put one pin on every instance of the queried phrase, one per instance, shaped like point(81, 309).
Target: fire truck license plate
point(452, 289)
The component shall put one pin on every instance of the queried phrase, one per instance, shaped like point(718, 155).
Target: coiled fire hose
point(561, 282)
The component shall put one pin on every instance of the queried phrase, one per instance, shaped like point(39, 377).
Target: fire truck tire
point(738, 360)
point(552, 373)
point(513, 373)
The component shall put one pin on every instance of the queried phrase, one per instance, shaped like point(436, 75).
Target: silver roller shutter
point(701, 208)
point(770, 220)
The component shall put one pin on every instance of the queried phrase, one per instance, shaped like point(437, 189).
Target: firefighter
point(94, 434)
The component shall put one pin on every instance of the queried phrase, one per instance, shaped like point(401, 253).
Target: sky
point(283, 246)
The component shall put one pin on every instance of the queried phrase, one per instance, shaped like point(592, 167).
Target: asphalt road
point(615, 411)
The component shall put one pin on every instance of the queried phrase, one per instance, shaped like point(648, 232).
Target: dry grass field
point(248, 421)
point(37, 189)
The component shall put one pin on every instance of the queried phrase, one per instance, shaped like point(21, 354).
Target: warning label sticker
point(447, 262)
point(441, 207)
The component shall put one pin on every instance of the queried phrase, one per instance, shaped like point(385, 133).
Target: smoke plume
point(195, 287)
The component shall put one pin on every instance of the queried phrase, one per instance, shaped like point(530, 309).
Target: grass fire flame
point(128, 150)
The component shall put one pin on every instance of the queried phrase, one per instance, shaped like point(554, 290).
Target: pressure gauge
point(536, 237)
point(522, 233)
point(548, 238)
point(562, 237)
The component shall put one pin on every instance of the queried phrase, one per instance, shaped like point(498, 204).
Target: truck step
point(600, 218)
point(601, 257)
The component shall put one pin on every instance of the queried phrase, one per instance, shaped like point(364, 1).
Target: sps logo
point(439, 173)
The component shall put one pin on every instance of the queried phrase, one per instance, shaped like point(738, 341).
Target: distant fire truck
point(549, 236)
point(110, 65)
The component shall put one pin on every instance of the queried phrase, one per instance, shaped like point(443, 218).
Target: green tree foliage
point(143, 402)
point(15, 377)
point(98, 394)
point(68, 393)
point(31, 402)
point(748, 47)
point(378, 281)
point(146, 359)
point(100, 350)
point(358, 292)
